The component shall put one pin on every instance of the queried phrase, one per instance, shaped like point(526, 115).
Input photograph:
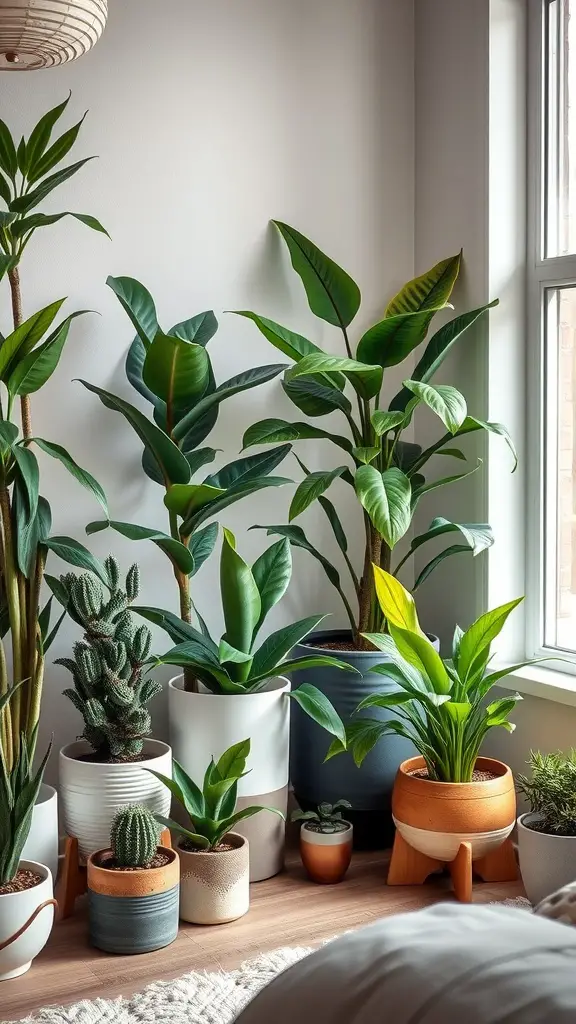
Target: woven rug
point(201, 997)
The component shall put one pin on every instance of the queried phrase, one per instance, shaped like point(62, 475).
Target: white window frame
point(542, 273)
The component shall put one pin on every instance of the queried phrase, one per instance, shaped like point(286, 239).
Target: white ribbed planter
point(15, 910)
point(547, 863)
point(92, 793)
point(203, 725)
point(215, 887)
point(42, 842)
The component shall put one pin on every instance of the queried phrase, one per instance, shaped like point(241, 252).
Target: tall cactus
point(107, 668)
point(134, 836)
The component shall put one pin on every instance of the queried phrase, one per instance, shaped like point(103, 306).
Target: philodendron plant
point(386, 472)
point(327, 819)
point(235, 664)
point(173, 372)
point(440, 705)
point(29, 355)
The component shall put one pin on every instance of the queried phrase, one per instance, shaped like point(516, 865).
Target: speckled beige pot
point(214, 887)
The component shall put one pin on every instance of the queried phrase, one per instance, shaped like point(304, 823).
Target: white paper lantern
point(45, 33)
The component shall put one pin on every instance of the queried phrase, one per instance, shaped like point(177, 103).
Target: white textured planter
point(92, 793)
point(547, 863)
point(42, 842)
point(204, 725)
point(214, 887)
point(15, 910)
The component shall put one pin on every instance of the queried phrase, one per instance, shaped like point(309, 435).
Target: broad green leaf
point(229, 654)
point(139, 306)
point(201, 545)
point(200, 458)
point(250, 468)
point(178, 630)
point(392, 340)
point(386, 498)
point(134, 367)
point(272, 430)
point(29, 474)
point(298, 539)
point(35, 369)
point(233, 494)
point(40, 136)
point(272, 572)
point(313, 397)
point(69, 550)
point(385, 421)
point(241, 602)
point(366, 455)
point(385, 700)
point(288, 342)
point(57, 151)
point(459, 711)
point(22, 340)
point(481, 633)
point(366, 379)
point(8, 158)
point(270, 655)
point(437, 349)
point(242, 382)
point(478, 536)
point(233, 761)
point(173, 464)
point(316, 704)
point(444, 400)
point(24, 203)
point(497, 712)
point(331, 292)
point(471, 424)
point(396, 603)
point(184, 499)
point(418, 489)
point(175, 370)
point(417, 650)
point(5, 190)
point(177, 552)
point(7, 218)
point(334, 520)
point(429, 290)
point(81, 475)
point(42, 220)
point(8, 435)
point(199, 329)
point(311, 488)
point(453, 453)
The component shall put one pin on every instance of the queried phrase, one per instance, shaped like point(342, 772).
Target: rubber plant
point(173, 372)
point(29, 355)
point(385, 470)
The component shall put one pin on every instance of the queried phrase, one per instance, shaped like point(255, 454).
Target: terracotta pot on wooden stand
point(464, 826)
point(326, 855)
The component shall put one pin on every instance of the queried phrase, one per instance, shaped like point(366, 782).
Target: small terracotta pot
point(215, 887)
point(436, 817)
point(326, 855)
point(133, 911)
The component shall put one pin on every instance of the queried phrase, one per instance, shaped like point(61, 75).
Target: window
point(551, 593)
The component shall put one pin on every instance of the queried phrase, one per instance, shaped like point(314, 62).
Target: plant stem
point(183, 582)
point(13, 602)
point(16, 294)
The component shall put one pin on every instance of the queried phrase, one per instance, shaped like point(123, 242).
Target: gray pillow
point(450, 962)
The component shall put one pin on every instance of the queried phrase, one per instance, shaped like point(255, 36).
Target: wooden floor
point(285, 911)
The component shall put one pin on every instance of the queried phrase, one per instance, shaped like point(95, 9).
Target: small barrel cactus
point(134, 836)
point(108, 664)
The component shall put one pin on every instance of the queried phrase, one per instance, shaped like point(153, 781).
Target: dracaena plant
point(173, 372)
point(236, 664)
point(386, 471)
point(440, 705)
point(212, 809)
point(29, 355)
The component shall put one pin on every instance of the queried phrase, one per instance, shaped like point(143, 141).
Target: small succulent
point(134, 836)
point(110, 690)
point(551, 791)
point(327, 818)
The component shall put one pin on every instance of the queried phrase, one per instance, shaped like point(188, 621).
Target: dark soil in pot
point(24, 879)
point(159, 860)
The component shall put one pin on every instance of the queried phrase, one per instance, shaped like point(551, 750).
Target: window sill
point(546, 683)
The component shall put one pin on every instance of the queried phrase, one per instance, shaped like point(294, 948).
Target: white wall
point(209, 119)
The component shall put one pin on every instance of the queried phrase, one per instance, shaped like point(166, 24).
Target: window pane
point(560, 127)
point(560, 469)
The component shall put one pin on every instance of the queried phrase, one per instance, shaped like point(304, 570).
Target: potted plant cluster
point(214, 858)
point(547, 832)
point(449, 804)
point(325, 841)
point(133, 887)
point(242, 690)
point(105, 769)
point(386, 472)
point(26, 886)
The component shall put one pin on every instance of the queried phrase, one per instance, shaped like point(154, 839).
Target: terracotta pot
point(215, 887)
point(326, 855)
point(436, 817)
point(133, 911)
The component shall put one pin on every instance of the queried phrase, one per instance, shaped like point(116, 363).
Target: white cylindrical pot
point(547, 862)
point(42, 842)
point(92, 793)
point(204, 725)
point(15, 910)
point(215, 887)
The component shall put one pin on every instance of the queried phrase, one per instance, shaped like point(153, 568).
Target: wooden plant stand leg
point(498, 866)
point(166, 839)
point(461, 873)
point(408, 866)
point(72, 881)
